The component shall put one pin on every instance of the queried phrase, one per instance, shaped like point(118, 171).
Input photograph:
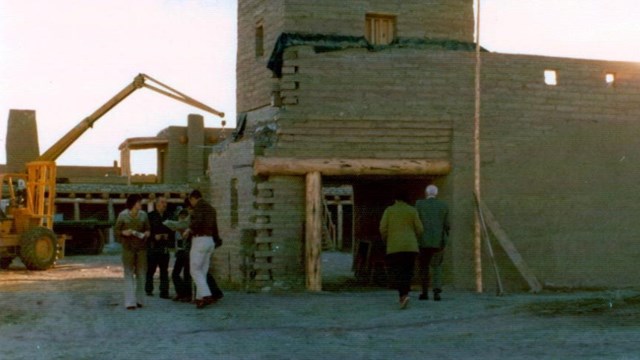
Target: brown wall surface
point(438, 19)
point(560, 165)
point(363, 104)
point(253, 78)
point(558, 162)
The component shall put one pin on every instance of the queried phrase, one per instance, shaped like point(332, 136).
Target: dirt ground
point(75, 311)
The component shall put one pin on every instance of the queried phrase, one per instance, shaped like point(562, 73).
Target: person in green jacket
point(400, 228)
point(434, 215)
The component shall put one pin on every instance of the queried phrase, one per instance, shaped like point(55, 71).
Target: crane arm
point(139, 81)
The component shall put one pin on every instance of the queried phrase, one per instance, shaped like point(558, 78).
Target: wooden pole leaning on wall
point(487, 239)
point(509, 248)
point(313, 231)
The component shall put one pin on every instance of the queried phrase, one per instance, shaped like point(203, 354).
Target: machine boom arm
point(139, 81)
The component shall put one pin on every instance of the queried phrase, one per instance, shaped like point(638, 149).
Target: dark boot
point(436, 294)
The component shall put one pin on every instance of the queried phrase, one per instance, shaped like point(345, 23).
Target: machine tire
point(96, 245)
point(5, 262)
point(38, 248)
point(87, 242)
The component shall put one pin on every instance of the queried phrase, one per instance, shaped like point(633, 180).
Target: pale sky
point(65, 58)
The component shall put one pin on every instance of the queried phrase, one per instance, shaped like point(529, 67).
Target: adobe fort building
point(373, 95)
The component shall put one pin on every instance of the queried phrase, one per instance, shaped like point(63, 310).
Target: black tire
point(38, 248)
point(87, 242)
point(96, 245)
point(5, 262)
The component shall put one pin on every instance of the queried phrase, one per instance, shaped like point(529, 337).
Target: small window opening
point(610, 79)
point(551, 77)
point(259, 40)
point(380, 29)
point(234, 202)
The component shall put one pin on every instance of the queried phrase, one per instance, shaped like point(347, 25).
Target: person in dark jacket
point(181, 274)
point(158, 248)
point(434, 215)
point(203, 229)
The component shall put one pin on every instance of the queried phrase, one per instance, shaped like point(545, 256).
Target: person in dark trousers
point(180, 274)
point(203, 229)
point(400, 228)
point(158, 248)
point(132, 231)
point(434, 215)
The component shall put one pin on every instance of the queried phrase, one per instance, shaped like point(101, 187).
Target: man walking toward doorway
point(434, 215)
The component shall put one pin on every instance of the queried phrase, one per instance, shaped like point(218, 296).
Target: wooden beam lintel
point(340, 166)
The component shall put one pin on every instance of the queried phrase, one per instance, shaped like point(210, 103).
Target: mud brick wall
point(362, 104)
point(253, 79)
point(233, 168)
point(558, 164)
point(279, 224)
point(264, 247)
point(395, 104)
point(561, 165)
point(438, 19)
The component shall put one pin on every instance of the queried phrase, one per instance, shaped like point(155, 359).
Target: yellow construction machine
point(27, 199)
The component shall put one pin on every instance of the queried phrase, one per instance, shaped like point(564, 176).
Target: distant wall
point(21, 143)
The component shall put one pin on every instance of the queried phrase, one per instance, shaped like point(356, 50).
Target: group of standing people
point(146, 242)
point(409, 232)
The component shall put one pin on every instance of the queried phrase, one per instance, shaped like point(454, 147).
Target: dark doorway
point(360, 260)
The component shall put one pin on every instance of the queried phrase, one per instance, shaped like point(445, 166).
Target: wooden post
point(313, 231)
point(76, 210)
point(340, 236)
point(125, 162)
point(112, 218)
point(476, 150)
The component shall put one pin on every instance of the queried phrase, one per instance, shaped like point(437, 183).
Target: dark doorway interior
point(361, 258)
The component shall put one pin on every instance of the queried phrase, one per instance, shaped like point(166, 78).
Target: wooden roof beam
point(340, 166)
